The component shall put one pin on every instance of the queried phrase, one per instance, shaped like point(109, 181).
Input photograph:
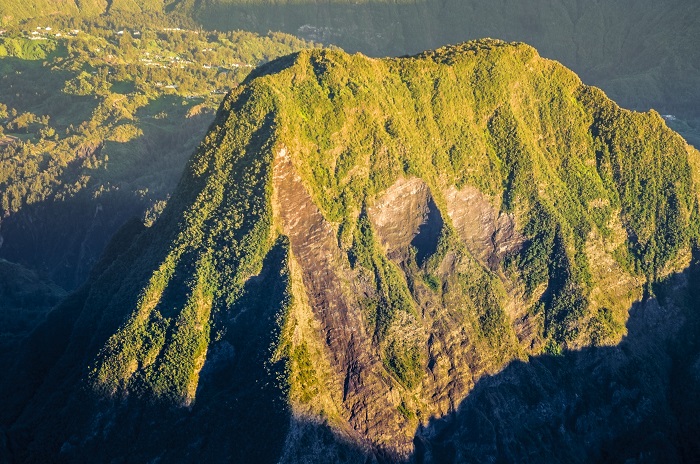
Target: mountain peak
point(357, 241)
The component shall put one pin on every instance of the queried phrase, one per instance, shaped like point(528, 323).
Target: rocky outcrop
point(328, 281)
point(406, 215)
point(489, 233)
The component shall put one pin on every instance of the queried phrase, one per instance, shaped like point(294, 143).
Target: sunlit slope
point(643, 54)
point(12, 11)
point(355, 243)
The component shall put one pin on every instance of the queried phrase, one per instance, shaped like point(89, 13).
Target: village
point(209, 58)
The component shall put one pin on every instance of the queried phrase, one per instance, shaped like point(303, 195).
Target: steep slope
point(83, 153)
point(354, 245)
point(12, 11)
point(16, 10)
point(634, 401)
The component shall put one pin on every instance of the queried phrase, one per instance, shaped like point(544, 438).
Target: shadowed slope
point(633, 401)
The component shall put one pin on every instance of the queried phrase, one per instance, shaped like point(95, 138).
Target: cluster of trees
point(109, 129)
point(94, 82)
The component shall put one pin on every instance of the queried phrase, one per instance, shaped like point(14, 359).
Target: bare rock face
point(406, 215)
point(489, 233)
point(399, 212)
point(409, 226)
point(328, 279)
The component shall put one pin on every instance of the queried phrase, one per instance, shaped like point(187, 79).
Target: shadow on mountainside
point(71, 212)
point(63, 239)
point(637, 401)
point(240, 414)
point(634, 402)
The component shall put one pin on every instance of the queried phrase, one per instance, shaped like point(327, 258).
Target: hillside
point(25, 299)
point(96, 127)
point(642, 54)
point(13, 11)
point(355, 245)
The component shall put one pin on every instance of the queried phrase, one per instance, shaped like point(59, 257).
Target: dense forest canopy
point(469, 253)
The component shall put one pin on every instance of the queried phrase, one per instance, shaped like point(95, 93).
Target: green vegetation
point(525, 131)
point(406, 362)
point(305, 374)
point(111, 125)
point(643, 56)
point(561, 178)
point(405, 412)
point(659, 202)
point(400, 356)
point(432, 281)
point(159, 90)
point(213, 239)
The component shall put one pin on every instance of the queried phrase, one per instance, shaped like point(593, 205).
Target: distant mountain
point(642, 53)
point(357, 245)
point(12, 11)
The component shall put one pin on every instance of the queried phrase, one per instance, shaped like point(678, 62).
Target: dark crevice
point(428, 236)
